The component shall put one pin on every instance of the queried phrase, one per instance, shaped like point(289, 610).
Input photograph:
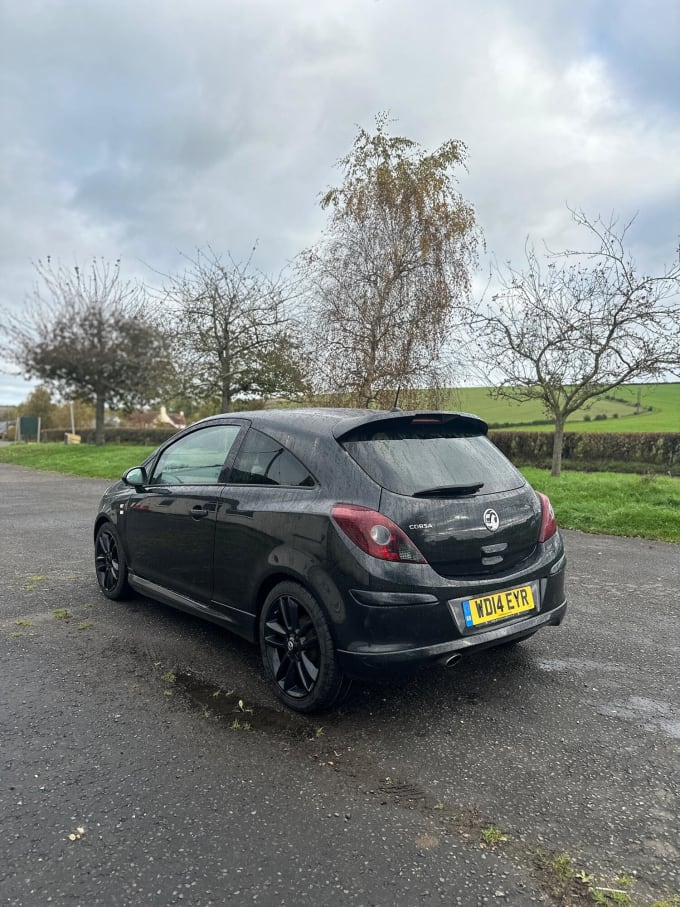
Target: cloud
point(143, 130)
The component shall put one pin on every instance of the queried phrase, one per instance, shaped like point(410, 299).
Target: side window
point(196, 459)
point(263, 461)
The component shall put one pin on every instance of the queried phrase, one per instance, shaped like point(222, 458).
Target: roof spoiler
point(466, 421)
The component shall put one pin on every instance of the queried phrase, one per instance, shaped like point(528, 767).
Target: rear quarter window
point(264, 461)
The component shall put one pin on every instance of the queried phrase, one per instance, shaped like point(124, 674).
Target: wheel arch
point(99, 522)
point(283, 576)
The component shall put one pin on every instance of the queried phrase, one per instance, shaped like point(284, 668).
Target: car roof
point(337, 422)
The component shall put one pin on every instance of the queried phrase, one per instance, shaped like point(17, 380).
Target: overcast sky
point(147, 128)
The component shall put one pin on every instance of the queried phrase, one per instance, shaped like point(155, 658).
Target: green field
point(658, 406)
point(645, 506)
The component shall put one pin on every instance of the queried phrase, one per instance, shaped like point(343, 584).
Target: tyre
point(109, 562)
point(298, 652)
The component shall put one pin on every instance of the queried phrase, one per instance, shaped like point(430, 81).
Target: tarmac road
point(129, 775)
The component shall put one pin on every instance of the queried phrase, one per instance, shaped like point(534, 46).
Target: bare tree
point(234, 333)
point(568, 330)
point(88, 335)
point(391, 267)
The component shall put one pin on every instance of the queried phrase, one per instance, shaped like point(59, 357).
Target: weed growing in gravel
point(561, 865)
point(625, 880)
point(237, 725)
point(493, 836)
point(609, 896)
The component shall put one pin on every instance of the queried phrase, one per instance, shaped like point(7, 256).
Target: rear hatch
point(461, 501)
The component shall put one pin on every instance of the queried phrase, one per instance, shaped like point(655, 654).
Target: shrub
point(141, 436)
point(658, 451)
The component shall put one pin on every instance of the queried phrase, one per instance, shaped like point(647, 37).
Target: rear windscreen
point(431, 459)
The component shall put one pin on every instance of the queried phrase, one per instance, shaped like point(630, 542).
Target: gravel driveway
point(144, 761)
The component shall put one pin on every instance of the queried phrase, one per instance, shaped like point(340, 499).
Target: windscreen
point(438, 459)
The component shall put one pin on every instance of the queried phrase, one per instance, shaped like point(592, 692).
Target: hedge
point(145, 436)
point(632, 451)
point(638, 450)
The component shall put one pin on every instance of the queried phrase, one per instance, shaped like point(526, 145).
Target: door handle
point(199, 510)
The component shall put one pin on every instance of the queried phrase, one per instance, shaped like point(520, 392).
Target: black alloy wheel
point(298, 651)
point(109, 561)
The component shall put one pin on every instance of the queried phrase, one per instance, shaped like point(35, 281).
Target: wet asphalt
point(144, 761)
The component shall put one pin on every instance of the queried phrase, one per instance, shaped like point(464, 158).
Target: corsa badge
point(491, 520)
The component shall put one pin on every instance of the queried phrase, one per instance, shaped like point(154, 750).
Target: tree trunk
point(558, 442)
point(363, 394)
point(99, 420)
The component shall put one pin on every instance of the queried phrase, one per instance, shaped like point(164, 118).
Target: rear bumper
point(375, 660)
point(398, 631)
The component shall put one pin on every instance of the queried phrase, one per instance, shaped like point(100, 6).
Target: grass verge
point(614, 503)
point(107, 462)
point(617, 504)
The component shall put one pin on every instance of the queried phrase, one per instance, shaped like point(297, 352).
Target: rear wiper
point(448, 491)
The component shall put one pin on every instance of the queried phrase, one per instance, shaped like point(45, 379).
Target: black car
point(346, 542)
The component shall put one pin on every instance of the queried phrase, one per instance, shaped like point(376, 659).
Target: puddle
point(652, 714)
point(239, 713)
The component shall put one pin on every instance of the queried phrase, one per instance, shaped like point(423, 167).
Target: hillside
point(631, 408)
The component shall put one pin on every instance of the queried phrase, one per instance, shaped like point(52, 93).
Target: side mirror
point(136, 477)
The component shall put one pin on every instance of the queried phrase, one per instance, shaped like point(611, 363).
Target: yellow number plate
point(497, 606)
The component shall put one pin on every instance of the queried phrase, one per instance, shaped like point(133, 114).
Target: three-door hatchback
point(346, 542)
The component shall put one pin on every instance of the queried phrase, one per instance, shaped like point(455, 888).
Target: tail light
point(375, 534)
point(548, 521)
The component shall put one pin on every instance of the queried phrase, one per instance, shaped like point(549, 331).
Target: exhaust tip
point(451, 660)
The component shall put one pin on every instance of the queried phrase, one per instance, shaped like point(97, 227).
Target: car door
point(266, 508)
point(170, 523)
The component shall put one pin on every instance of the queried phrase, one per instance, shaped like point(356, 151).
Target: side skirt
point(239, 622)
